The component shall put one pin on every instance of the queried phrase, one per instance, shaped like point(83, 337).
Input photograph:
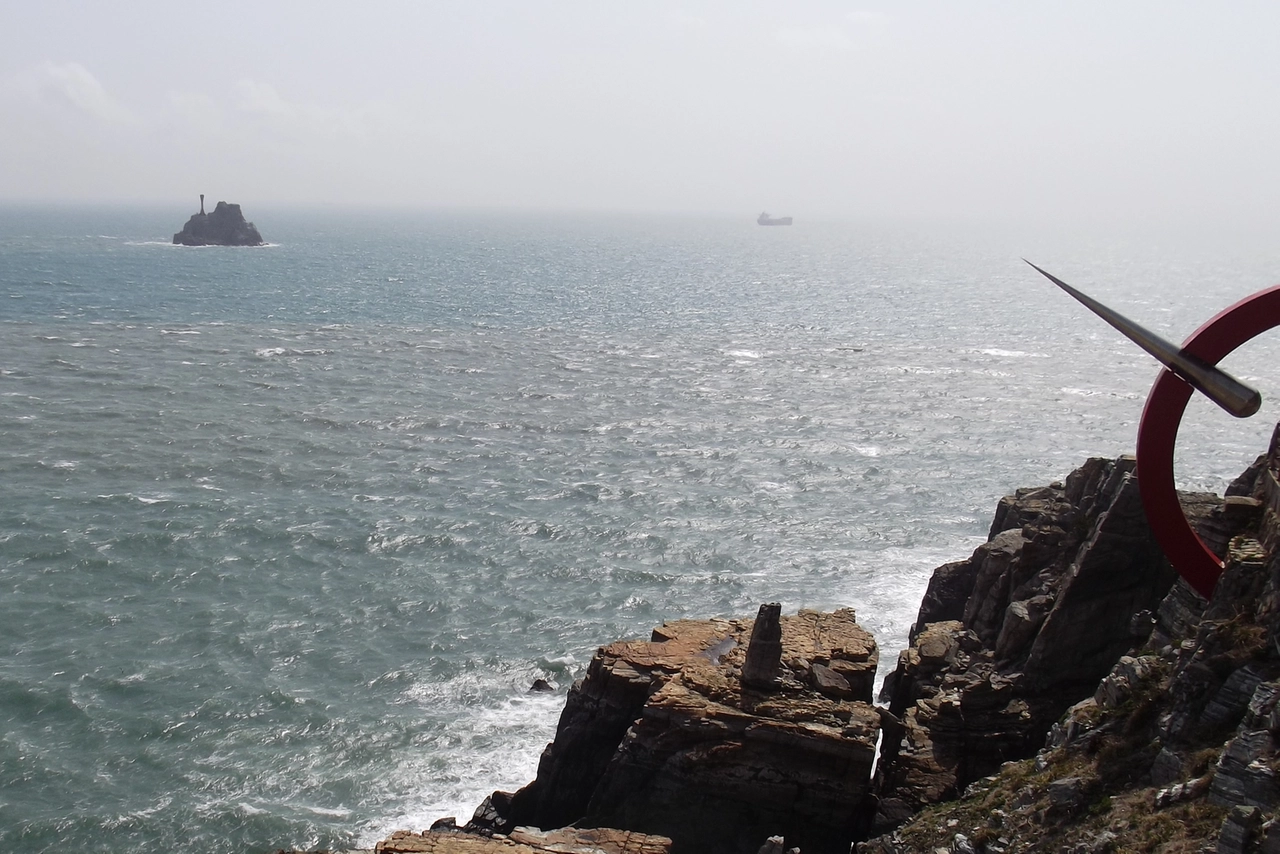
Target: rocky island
point(1064, 691)
point(226, 226)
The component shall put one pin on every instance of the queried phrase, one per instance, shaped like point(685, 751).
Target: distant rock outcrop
point(226, 226)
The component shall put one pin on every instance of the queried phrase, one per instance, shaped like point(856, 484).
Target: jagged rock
point(1050, 609)
point(1071, 728)
point(488, 817)
point(1190, 790)
point(1247, 772)
point(1119, 685)
point(764, 650)
point(1231, 700)
point(1166, 768)
point(1022, 620)
point(948, 591)
point(1238, 830)
point(226, 226)
point(1068, 794)
point(1178, 615)
point(1118, 571)
point(776, 845)
point(664, 737)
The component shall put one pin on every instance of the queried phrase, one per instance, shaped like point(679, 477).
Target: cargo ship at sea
point(765, 219)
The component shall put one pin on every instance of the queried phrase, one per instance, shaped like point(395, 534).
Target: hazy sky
point(952, 109)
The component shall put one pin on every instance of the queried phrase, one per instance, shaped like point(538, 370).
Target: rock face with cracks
point(1008, 640)
point(1177, 748)
point(662, 736)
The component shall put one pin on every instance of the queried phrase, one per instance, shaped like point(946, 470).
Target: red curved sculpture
point(1158, 431)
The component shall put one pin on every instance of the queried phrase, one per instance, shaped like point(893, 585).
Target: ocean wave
point(275, 352)
point(995, 351)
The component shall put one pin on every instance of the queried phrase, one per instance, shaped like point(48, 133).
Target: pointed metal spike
point(1214, 383)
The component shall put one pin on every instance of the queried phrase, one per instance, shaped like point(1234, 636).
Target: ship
point(765, 219)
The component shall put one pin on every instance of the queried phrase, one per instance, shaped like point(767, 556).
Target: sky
point(962, 110)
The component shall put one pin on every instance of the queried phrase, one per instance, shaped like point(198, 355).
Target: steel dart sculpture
point(1191, 367)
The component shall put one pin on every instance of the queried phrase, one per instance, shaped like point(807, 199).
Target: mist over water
point(286, 533)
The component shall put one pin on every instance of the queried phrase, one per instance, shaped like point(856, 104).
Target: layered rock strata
point(525, 840)
point(1008, 640)
point(1178, 746)
point(664, 737)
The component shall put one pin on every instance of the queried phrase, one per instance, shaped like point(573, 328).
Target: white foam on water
point(889, 606)
point(491, 746)
point(1017, 354)
point(1093, 392)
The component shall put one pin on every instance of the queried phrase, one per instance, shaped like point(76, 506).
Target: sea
point(288, 532)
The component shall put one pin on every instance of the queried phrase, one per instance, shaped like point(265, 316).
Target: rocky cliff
point(1063, 691)
point(226, 226)
point(665, 736)
point(1006, 641)
point(1174, 748)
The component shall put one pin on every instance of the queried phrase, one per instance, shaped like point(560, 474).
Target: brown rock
point(526, 840)
point(664, 737)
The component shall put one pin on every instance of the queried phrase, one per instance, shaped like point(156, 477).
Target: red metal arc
point(1158, 432)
